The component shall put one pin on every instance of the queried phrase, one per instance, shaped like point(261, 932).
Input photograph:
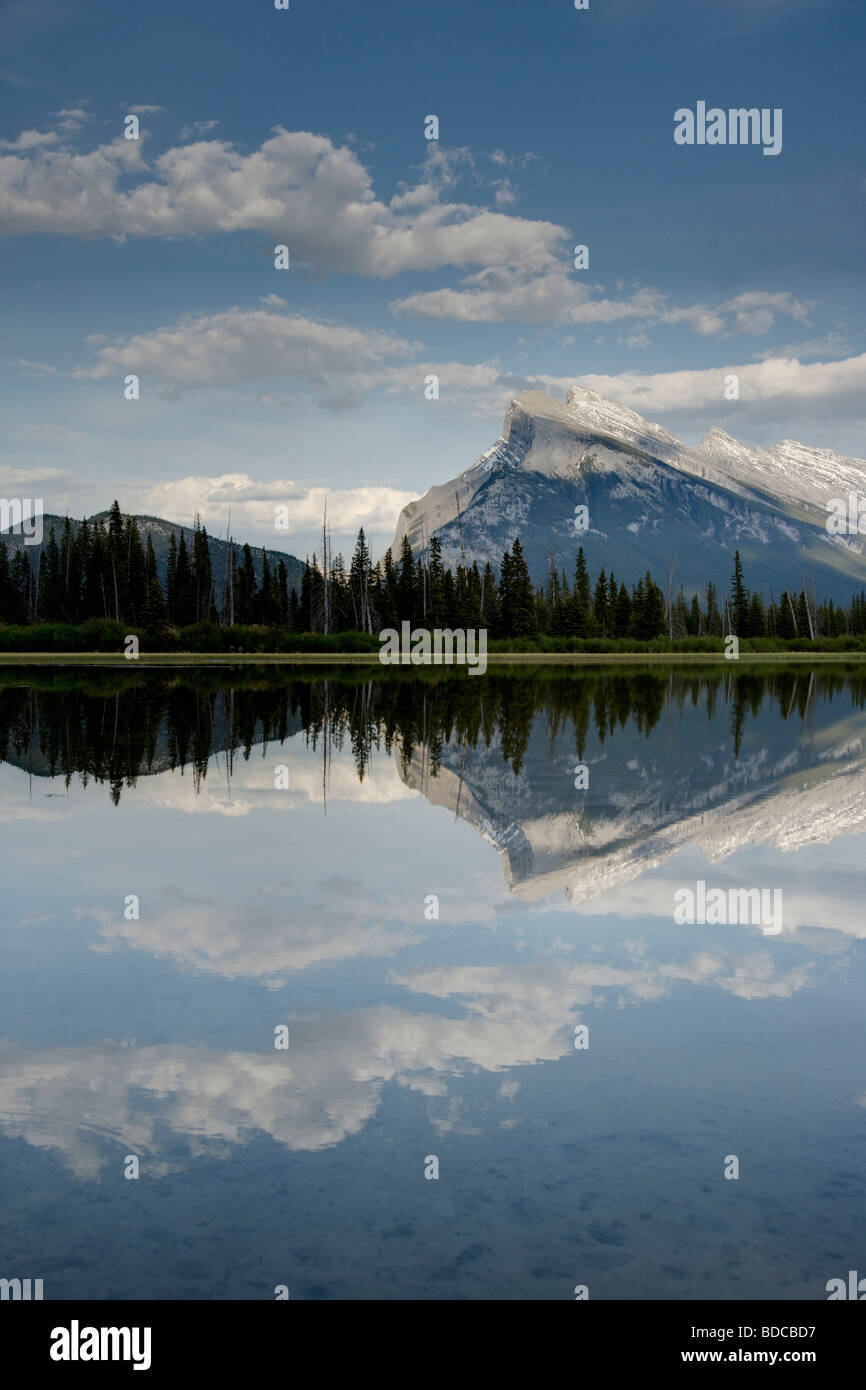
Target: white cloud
point(329, 1085)
point(504, 193)
point(30, 140)
point(497, 294)
point(500, 293)
point(831, 345)
point(252, 504)
point(267, 344)
point(262, 942)
point(71, 119)
point(14, 481)
point(242, 345)
point(783, 381)
point(198, 128)
point(297, 187)
point(756, 311)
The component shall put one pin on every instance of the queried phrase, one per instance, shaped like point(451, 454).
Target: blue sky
point(408, 257)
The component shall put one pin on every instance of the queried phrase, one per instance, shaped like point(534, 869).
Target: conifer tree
point(134, 585)
point(171, 575)
point(786, 621)
point(283, 594)
point(407, 586)
point(600, 605)
point(202, 576)
point(622, 617)
point(436, 573)
point(96, 588)
point(154, 616)
point(184, 613)
point(739, 598)
point(49, 598)
point(361, 585)
point(491, 613)
point(714, 617)
point(517, 594)
point(245, 601)
point(695, 618)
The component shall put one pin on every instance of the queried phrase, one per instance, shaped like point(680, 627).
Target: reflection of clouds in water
point(252, 783)
point(247, 940)
point(82, 1101)
point(552, 991)
point(820, 915)
point(12, 813)
point(289, 927)
point(831, 804)
point(250, 787)
point(590, 860)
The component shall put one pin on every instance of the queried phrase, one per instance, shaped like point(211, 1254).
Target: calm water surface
point(289, 840)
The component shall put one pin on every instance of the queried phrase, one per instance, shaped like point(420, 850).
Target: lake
point(368, 984)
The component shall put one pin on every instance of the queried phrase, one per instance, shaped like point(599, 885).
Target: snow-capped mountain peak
point(653, 501)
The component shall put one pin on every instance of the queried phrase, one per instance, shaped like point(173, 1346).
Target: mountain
point(653, 502)
point(161, 532)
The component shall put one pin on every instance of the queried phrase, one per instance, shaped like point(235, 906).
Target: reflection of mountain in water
point(715, 757)
point(788, 778)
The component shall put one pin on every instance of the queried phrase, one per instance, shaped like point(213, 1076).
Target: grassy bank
point(180, 660)
point(206, 644)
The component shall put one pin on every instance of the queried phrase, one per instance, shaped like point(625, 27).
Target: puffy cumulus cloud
point(822, 401)
point(253, 503)
point(31, 140)
point(504, 193)
point(298, 187)
point(479, 387)
point(71, 118)
point(786, 383)
point(36, 188)
point(242, 345)
point(756, 311)
point(268, 344)
point(445, 166)
point(501, 293)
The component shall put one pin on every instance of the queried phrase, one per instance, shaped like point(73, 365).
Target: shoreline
point(182, 659)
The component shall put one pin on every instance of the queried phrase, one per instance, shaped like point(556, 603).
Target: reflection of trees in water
point(115, 726)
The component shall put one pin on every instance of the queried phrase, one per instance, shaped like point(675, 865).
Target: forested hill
point(161, 533)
